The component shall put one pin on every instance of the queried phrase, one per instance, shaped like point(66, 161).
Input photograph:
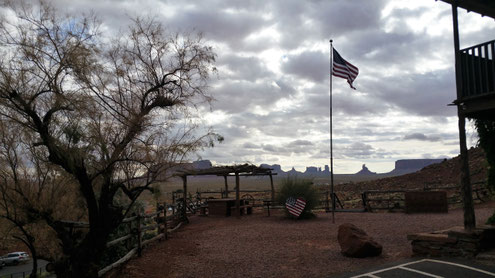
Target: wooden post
point(159, 211)
point(174, 203)
point(139, 236)
point(184, 204)
point(129, 240)
point(165, 228)
point(365, 201)
point(327, 201)
point(466, 190)
point(272, 187)
point(226, 187)
point(237, 195)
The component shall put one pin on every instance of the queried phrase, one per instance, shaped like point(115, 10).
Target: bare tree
point(110, 112)
point(28, 188)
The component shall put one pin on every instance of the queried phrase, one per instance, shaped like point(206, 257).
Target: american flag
point(342, 68)
point(295, 206)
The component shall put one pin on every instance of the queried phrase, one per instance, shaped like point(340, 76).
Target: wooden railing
point(257, 197)
point(371, 200)
point(478, 70)
point(394, 200)
point(137, 227)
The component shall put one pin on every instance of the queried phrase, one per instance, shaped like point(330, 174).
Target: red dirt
point(261, 246)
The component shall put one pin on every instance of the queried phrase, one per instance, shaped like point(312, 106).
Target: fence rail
point(263, 195)
point(370, 200)
point(137, 227)
point(394, 200)
point(136, 234)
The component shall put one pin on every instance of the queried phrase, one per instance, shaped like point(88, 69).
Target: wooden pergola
point(237, 171)
point(482, 7)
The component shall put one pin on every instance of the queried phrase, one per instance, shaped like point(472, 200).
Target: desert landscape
point(260, 246)
point(243, 138)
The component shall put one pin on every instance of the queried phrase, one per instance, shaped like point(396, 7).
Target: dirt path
point(261, 246)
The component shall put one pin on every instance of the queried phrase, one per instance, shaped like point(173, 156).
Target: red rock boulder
point(354, 242)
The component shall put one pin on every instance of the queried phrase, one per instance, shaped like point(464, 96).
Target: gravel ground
point(261, 246)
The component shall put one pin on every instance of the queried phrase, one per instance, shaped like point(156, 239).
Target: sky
point(272, 87)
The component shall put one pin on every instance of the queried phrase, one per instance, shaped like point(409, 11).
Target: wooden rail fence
point(394, 200)
point(258, 197)
point(371, 200)
point(139, 225)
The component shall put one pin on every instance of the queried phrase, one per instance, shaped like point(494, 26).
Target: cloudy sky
point(272, 87)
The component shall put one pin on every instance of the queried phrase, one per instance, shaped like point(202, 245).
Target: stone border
point(453, 242)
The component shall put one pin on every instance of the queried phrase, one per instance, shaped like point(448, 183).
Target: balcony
point(477, 66)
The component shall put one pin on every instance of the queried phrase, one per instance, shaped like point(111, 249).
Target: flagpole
point(331, 136)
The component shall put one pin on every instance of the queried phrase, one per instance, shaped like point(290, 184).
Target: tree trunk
point(34, 270)
point(83, 262)
point(82, 259)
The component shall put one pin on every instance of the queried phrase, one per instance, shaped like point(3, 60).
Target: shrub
point(299, 188)
point(491, 220)
point(486, 134)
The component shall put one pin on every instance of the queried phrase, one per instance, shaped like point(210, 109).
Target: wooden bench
point(244, 209)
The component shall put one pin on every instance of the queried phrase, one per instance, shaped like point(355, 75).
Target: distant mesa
point(310, 171)
point(201, 164)
point(315, 171)
point(293, 172)
point(276, 168)
point(365, 171)
point(403, 166)
point(406, 166)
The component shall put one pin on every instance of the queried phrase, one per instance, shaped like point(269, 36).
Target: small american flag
point(295, 206)
point(342, 68)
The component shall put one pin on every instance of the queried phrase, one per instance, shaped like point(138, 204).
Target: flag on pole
point(295, 206)
point(342, 68)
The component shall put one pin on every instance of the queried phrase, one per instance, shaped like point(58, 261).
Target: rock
point(354, 242)
point(365, 171)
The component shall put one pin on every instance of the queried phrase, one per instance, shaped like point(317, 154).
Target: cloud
point(218, 24)
point(359, 149)
point(250, 146)
point(425, 94)
point(311, 65)
point(246, 68)
point(272, 88)
point(300, 143)
point(301, 22)
point(422, 137)
point(237, 96)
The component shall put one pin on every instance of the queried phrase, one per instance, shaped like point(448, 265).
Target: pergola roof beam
point(482, 7)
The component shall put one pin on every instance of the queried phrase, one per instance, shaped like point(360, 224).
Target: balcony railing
point(478, 70)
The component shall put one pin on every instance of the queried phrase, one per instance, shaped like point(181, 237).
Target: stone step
point(486, 256)
point(432, 237)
